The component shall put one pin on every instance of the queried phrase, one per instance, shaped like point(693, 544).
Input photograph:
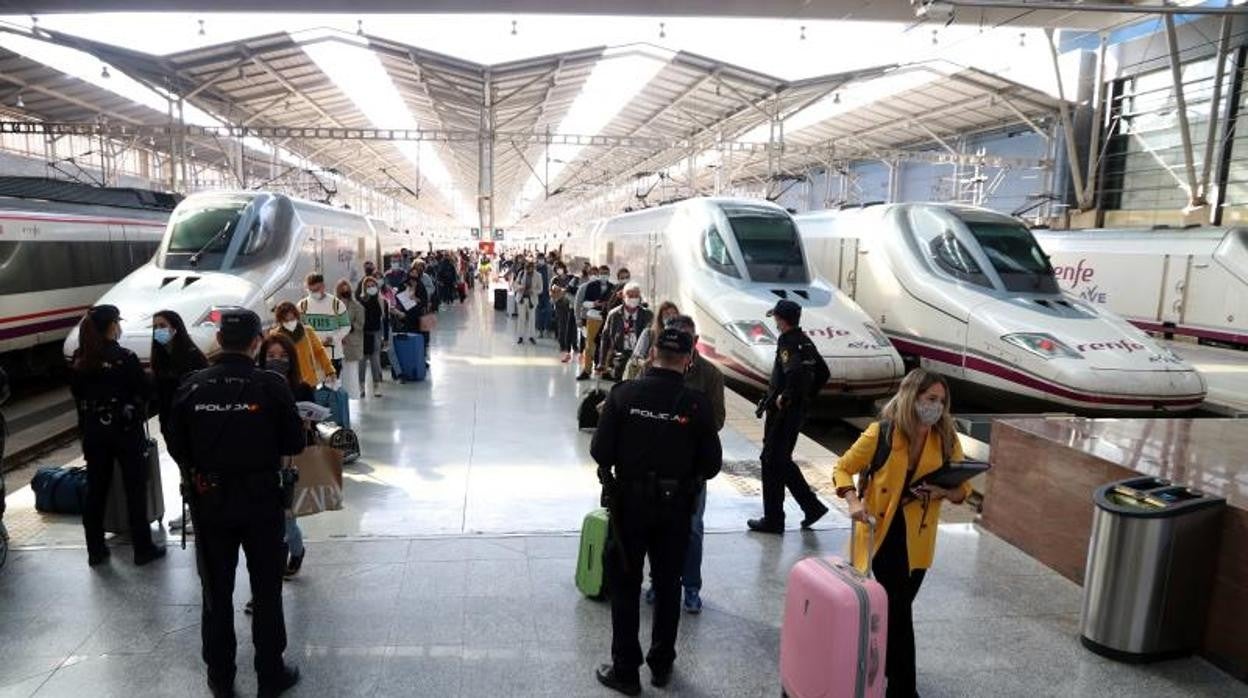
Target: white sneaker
point(377, 393)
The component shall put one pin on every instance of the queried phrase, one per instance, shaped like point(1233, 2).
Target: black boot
point(814, 514)
point(764, 526)
point(273, 686)
point(606, 677)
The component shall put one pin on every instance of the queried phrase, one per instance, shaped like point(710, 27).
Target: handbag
point(428, 322)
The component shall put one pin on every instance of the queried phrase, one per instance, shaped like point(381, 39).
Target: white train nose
point(1181, 388)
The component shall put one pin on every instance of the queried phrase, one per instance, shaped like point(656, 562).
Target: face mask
point(632, 302)
point(162, 335)
point(929, 412)
point(394, 265)
point(280, 366)
point(290, 325)
point(370, 290)
point(318, 295)
point(625, 279)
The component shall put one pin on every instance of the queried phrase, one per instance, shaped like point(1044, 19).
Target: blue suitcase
point(339, 405)
point(410, 350)
point(60, 490)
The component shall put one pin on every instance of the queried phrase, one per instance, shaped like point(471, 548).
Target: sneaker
point(693, 601)
point(650, 596)
point(532, 341)
point(376, 393)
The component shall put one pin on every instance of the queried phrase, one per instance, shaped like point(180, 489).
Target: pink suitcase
point(835, 631)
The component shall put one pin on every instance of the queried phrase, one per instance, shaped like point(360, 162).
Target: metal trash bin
point(1150, 567)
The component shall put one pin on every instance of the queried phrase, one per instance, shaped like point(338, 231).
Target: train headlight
point(752, 332)
point(212, 318)
point(1043, 345)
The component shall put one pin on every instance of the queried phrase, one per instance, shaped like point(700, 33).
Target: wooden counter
point(1045, 470)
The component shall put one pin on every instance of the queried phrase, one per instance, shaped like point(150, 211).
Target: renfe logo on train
point(827, 332)
point(1081, 273)
point(1124, 344)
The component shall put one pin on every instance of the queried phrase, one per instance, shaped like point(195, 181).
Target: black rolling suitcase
point(500, 299)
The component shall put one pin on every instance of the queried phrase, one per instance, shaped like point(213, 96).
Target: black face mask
point(278, 366)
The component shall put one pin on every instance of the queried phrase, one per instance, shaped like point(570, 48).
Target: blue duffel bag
point(60, 490)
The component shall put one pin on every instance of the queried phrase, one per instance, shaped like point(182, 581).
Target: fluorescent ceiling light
point(358, 72)
point(616, 79)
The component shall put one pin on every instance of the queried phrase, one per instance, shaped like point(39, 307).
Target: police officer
point(659, 438)
point(232, 424)
point(111, 393)
point(796, 377)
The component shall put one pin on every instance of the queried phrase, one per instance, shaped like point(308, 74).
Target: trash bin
point(1150, 566)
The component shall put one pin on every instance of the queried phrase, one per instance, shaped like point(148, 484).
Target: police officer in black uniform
point(111, 393)
point(796, 377)
point(659, 438)
point(232, 424)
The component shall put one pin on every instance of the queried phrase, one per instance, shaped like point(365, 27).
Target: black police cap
point(103, 315)
point(788, 311)
point(676, 341)
point(239, 325)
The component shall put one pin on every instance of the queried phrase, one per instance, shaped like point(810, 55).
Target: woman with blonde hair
point(918, 438)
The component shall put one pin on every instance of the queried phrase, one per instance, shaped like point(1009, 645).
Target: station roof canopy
point(50, 95)
point(282, 87)
point(1072, 14)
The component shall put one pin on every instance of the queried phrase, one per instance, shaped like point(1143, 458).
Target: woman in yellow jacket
point(310, 354)
point(923, 439)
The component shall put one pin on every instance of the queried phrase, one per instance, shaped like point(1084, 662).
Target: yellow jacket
point(884, 492)
point(310, 353)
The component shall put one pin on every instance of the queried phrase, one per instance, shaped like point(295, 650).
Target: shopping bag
point(319, 487)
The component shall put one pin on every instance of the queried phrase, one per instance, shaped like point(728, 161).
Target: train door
point(1176, 272)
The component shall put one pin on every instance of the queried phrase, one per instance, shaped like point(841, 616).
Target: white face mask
point(319, 295)
point(370, 290)
point(632, 302)
point(290, 325)
point(929, 412)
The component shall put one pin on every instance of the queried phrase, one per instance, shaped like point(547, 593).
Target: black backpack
point(587, 413)
point(883, 447)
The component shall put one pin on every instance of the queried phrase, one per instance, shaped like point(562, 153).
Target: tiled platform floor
point(499, 616)
point(449, 573)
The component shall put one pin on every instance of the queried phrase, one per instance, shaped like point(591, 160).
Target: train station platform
point(1225, 372)
point(450, 570)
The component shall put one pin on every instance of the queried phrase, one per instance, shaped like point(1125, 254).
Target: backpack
point(883, 447)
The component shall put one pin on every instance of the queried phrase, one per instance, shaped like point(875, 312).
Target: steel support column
point(1211, 139)
point(485, 159)
point(1195, 197)
point(1068, 128)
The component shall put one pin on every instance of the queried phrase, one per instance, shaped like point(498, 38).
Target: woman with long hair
point(174, 357)
point(353, 343)
point(921, 438)
point(310, 354)
point(278, 354)
point(111, 392)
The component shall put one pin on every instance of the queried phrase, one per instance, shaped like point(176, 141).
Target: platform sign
point(476, 233)
point(498, 233)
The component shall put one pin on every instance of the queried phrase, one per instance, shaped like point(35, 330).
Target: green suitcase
point(589, 577)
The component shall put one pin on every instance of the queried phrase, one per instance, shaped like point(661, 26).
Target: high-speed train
point(1191, 282)
point(726, 262)
point(969, 294)
point(237, 250)
point(62, 245)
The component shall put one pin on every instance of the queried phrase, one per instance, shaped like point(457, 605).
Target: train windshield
point(226, 233)
point(200, 234)
point(1015, 254)
point(769, 244)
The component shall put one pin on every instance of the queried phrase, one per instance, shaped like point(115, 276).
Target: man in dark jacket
point(623, 327)
point(796, 377)
point(232, 425)
point(655, 446)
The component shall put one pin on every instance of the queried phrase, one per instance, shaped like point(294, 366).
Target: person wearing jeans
point(704, 377)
